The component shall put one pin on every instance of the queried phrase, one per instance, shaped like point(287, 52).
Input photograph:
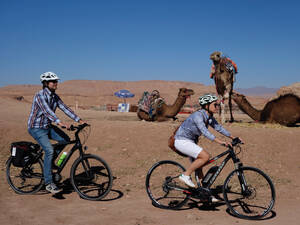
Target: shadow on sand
point(68, 189)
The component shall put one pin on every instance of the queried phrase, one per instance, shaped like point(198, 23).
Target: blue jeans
point(43, 136)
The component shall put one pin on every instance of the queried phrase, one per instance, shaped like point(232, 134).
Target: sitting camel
point(223, 72)
point(284, 110)
point(163, 111)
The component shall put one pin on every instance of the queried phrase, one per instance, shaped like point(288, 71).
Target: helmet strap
point(45, 84)
point(207, 108)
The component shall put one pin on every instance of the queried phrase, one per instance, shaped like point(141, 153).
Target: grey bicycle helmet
point(48, 76)
point(207, 98)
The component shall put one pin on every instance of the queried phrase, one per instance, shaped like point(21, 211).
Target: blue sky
point(129, 40)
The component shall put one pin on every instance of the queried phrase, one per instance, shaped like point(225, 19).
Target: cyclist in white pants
point(195, 125)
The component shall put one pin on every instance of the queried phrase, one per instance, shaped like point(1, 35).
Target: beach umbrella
point(124, 94)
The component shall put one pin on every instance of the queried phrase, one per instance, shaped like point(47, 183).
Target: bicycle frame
point(77, 146)
point(230, 155)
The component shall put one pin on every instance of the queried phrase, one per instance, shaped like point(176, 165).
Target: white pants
point(188, 147)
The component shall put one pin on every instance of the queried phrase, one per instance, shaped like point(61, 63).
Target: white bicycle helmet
point(207, 98)
point(48, 76)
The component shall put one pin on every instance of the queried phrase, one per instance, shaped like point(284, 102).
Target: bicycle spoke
point(163, 187)
point(91, 177)
point(256, 199)
point(26, 180)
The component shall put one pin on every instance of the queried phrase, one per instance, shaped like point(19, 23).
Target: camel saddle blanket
point(230, 65)
point(148, 102)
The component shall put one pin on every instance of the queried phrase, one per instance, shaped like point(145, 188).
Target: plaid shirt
point(43, 109)
point(196, 125)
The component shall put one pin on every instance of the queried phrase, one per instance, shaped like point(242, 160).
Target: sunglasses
point(53, 81)
point(216, 104)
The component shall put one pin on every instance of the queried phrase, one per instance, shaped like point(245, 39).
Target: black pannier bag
point(21, 152)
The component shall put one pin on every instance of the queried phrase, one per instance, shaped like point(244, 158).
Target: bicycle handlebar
point(236, 141)
point(79, 127)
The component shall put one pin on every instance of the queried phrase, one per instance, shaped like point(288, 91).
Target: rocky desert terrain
point(131, 147)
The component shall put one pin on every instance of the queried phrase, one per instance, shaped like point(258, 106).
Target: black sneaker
point(53, 188)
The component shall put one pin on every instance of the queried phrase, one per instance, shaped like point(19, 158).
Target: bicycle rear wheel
point(91, 177)
point(25, 180)
point(258, 197)
point(163, 186)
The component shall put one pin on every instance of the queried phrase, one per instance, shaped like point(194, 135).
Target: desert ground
point(131, 147)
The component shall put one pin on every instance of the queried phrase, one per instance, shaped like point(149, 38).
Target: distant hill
point(97, 92)
point(258, 91)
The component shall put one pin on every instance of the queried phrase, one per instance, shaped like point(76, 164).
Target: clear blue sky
point(129, 40)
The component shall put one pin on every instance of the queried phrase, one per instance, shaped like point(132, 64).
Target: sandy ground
point(131, 147)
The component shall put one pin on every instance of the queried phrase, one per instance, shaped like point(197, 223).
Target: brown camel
point(164, 111)
point(284, 110)
point(224, 79)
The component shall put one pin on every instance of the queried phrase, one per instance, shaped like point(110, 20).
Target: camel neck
point(247, 108)
point(172, 110)
point(180, 101)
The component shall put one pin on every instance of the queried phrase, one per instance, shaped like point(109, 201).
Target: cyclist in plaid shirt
point(40, 126)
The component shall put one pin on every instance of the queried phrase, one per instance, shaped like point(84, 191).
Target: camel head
point(238, 97)
point(216, 56)
point(184, 92)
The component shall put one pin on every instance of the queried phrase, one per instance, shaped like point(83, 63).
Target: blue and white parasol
point(124, 94)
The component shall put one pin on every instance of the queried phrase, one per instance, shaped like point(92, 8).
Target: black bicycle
point(90, 175)
point(248, 192)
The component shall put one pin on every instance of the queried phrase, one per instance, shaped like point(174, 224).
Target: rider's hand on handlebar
point(227, 144)
point(242, 142)
point(224, 143)
point(237, 140)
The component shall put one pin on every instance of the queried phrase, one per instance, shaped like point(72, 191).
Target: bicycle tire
point(157, 185)
point(86, 171)
point(25, 180)
point(258, 199)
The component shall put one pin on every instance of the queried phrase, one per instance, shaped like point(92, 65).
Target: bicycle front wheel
point(25, 180)
point(91, 177)
point(249, 193)
point(163, 186)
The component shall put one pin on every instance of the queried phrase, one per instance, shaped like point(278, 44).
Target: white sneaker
point(214, 199)
point(187, 180)
point(53, 188)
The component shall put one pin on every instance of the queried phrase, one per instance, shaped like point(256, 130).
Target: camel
point(284, 110)
point(164, 111)
point(224, 79)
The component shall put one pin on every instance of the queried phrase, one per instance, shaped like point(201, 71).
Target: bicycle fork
point(244, 187)
point(86, 166)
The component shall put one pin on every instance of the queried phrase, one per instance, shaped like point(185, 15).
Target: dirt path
point(130, 147)
point(127, 209)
